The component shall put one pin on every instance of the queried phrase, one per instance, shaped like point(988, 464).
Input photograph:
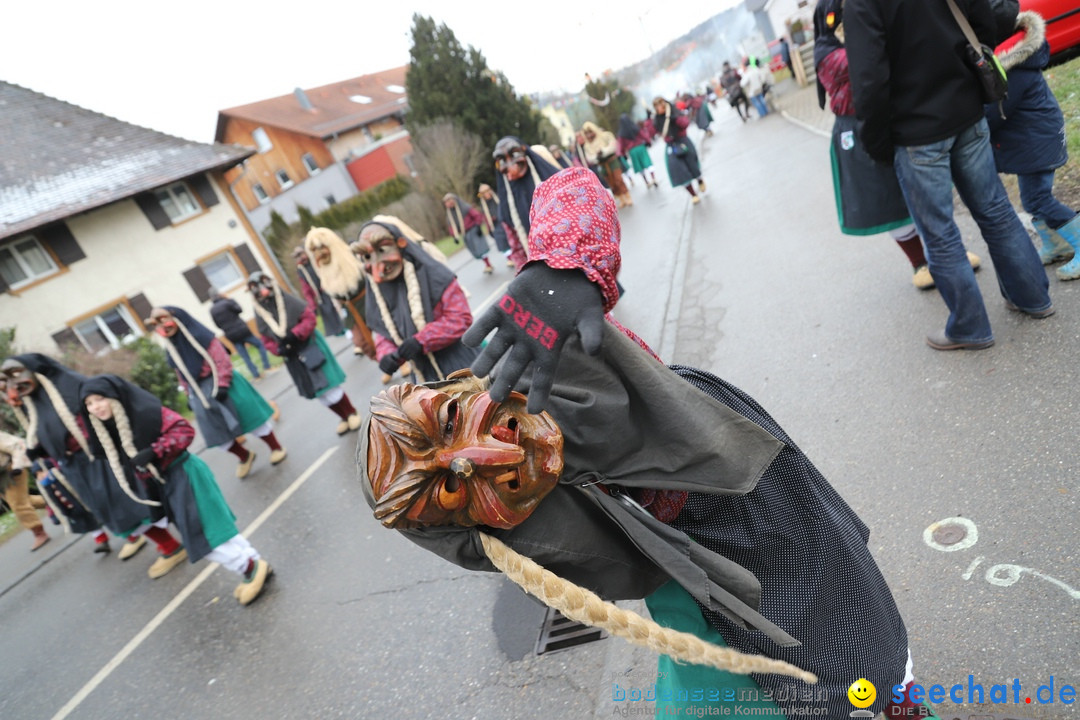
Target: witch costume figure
point(638, 481)
point(343, 278)
point(316, 297)
point(146, 445)
point(225, 404)
point(521, 169)
point(45, 397)
point(467, 224)
point(681, 156)
point(287, 326)
point(488, 202)
point(415, 307)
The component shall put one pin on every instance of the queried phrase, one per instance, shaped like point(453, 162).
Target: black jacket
point(909, 77)
point(226, 315)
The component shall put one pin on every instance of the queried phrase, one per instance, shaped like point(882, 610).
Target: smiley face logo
point(862, 693)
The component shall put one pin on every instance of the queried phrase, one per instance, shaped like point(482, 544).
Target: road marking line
point(183, 595)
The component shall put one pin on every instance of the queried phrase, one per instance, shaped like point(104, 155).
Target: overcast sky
point(172, 66)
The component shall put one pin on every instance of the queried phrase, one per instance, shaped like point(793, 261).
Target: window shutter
point(63, 244)
point(3, 285)
point(247, 258)
point(202, 187)
point(66, 338)
point(141, 307)
point(197, 280)
point(152, 210)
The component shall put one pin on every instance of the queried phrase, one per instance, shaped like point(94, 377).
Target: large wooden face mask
point(457, 457)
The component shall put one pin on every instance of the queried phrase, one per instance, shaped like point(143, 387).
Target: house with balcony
point(318, 146)
point(100, 220)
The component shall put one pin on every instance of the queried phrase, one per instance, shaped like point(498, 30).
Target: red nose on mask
point(264, 292)
point(164, 328)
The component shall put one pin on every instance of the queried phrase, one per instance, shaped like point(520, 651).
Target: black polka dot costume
point(808, 549)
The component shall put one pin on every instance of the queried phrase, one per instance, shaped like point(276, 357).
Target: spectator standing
point(226, 312)
point(731, 82)
point(919, 105)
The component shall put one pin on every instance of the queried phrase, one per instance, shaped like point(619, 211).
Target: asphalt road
point(755, 284)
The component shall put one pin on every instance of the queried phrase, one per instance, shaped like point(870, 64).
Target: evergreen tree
point(609, 101)
point(446, 81)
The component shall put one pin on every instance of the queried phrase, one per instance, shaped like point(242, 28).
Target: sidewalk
point(800, 106)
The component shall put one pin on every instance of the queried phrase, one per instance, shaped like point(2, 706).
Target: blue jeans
point(243, 352)
point(1037, 197)
point(927, 174)
point(759, 105)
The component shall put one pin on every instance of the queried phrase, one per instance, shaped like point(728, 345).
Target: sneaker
point(244, 468)
point(131, 547)
point(253, 584)
point(696, 200)
point(922, 278)
point(355, 421)
point(343, 427)
point(278, 455)
point(165, 563)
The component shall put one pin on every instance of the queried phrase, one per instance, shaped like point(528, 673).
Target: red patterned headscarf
point(574, 224)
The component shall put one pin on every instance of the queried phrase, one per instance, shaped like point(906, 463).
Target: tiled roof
point(335, 108)
point(58, 159)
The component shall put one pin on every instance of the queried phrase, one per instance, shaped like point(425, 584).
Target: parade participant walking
point(225, 404)
point(467, 224)
point(342, 276)
point(15, 487)
point(226, 312)
point(681, 155)
point(316, 297)
point(868, 197)
point(920, 106)
point(633, 144)
point(602, 150)
point(760, 545)
point(415, 306)
point(1027, 134)
point(754, 82)
point(489, 205)
point(287, 326)
point(521, 169)
point(147, 443)
point(45, 397)
point(731, 82)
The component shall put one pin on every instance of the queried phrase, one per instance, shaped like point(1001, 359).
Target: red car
point(1062, 23)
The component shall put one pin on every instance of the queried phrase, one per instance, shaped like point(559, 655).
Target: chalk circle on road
point(951, 534)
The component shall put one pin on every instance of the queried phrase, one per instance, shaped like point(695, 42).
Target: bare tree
point(447, 158)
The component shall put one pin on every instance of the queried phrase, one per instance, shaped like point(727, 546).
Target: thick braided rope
point(127, 438)
point(29, 424)
point(578, 603)
point(192, 382)
point(519, 228)
point(276, 325)
point(487, 211)
point(114, 460)
point(416, 311)
point(64, 412)
point(179, 363)
point(458, 227)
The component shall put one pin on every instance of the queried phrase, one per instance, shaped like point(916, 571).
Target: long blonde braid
point(113, 455)
point(458, 228)
point(29, 424)
point(64, 412)
point(416, 311)
point(278, 325)
point(578, 603)
point(519, 228)
point(192, 382)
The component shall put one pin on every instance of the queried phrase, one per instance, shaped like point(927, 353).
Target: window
point(330, 200)
point(260, 194)
point(283, 179)
point(107, 330)
point(262, 140)
point(222, 271)
point(310, 164)
point(24, 261)
point(178, 202)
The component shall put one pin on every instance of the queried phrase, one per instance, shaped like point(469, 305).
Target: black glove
point(290, 343)
point(222, 394)
point(540, 309)
point(410, 349)
point(36, 453)
point(144, 457)
point(390, 363)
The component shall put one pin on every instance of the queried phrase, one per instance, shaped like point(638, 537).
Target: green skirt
point(196, 506)
point(639, 156)
point(697, 686)
point(252, 410)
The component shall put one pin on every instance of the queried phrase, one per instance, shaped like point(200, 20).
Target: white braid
point(458, 228)
point(416, 311)
point(114, 460)
point(179, 362)
point(667, 123)
point(523, 237)
point(64, 412)
point(487, 212)
point(277, 325)
point(127, 438)
point(29, 424)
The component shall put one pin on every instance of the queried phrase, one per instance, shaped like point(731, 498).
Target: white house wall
point(125, 256)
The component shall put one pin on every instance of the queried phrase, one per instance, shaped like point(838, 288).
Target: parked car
point(1062, 23)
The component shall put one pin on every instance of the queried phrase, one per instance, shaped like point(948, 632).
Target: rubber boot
point(1070, 232)
point(1054, 247)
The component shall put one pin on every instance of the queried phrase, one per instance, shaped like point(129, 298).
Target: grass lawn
point(1064, 80)
point(8, 526)
point(448, 246)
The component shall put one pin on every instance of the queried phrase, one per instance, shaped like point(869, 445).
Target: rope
point(114, 458)
point(276, 325)
point(416, 310)
point(586, 607)
point(29, 424)
point(457, 228)
point(64, 412)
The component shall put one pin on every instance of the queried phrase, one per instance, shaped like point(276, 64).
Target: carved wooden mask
point(453, 456)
